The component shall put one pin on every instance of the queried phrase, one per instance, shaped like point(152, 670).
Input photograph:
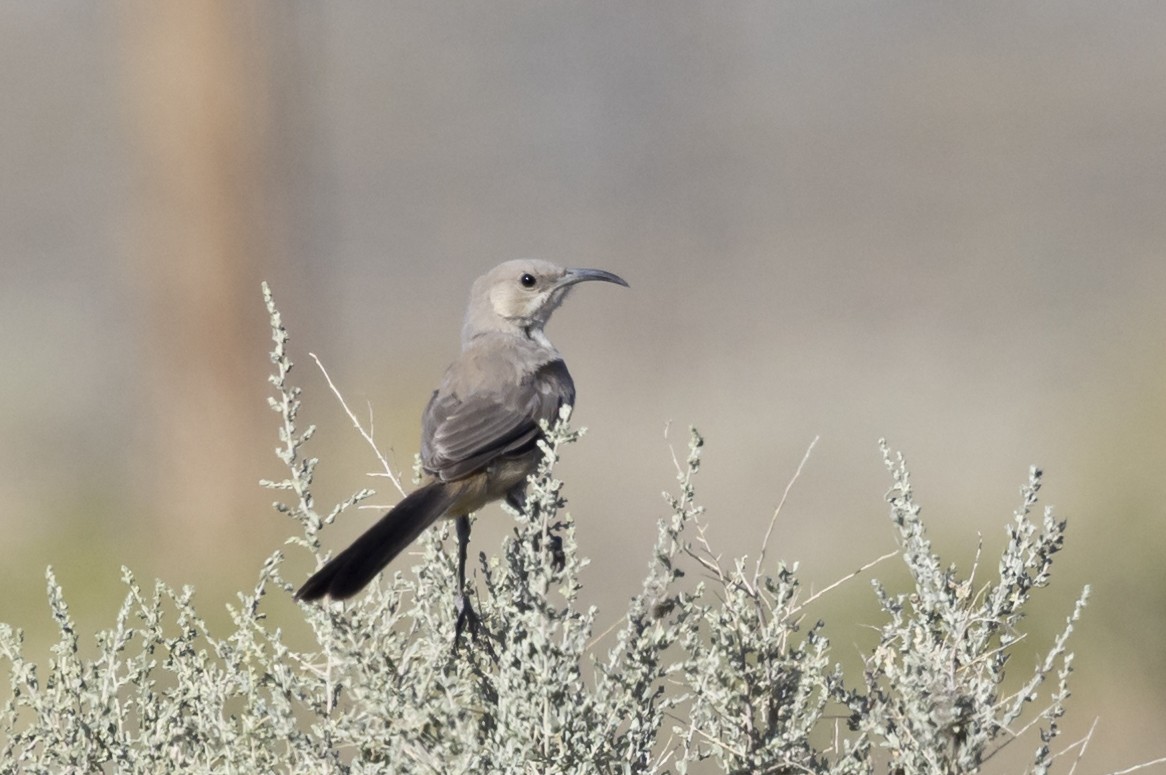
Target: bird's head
point(521, 295)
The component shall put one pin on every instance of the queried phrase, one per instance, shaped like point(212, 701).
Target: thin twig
point(360, 428)
point(1137, 767)
point(594, 641)
point(781, 503)
point(1084, 743)
point(846, 578)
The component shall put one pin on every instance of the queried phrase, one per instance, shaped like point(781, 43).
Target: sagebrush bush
point(722, 672)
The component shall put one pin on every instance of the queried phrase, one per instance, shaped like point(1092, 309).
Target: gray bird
point(480, 431)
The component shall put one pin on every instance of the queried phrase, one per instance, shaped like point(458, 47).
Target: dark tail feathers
point(350, 571)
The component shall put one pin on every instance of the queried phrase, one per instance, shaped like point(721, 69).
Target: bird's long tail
point(348, 572)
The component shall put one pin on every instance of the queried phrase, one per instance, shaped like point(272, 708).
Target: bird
point(481, 427)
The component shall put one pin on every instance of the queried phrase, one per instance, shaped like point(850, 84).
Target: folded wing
point(459, 437)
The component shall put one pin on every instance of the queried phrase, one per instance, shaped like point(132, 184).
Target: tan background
point(938, 222)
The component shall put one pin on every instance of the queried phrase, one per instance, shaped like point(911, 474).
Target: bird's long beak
point(573, 276)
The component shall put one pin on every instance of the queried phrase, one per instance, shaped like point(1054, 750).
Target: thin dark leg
point(465, 612)
point(463, 546)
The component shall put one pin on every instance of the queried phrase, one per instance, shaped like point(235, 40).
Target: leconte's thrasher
point(480, 430)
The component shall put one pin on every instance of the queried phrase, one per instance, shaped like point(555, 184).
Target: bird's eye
point(527, 280)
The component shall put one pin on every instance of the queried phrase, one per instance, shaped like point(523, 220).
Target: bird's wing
point(461, 435)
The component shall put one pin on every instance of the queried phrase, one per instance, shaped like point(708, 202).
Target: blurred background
point(940, 223)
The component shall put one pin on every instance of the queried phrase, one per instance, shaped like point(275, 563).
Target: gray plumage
point(480, 429)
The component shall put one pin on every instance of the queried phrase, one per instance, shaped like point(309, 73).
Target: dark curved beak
point(573, 276)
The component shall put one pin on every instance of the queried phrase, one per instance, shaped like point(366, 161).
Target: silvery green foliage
point(932, 700)
point(714, 667)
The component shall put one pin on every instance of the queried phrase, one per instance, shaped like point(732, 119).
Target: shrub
point(721, 671)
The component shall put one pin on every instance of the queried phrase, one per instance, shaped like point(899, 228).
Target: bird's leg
point(466, 615)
